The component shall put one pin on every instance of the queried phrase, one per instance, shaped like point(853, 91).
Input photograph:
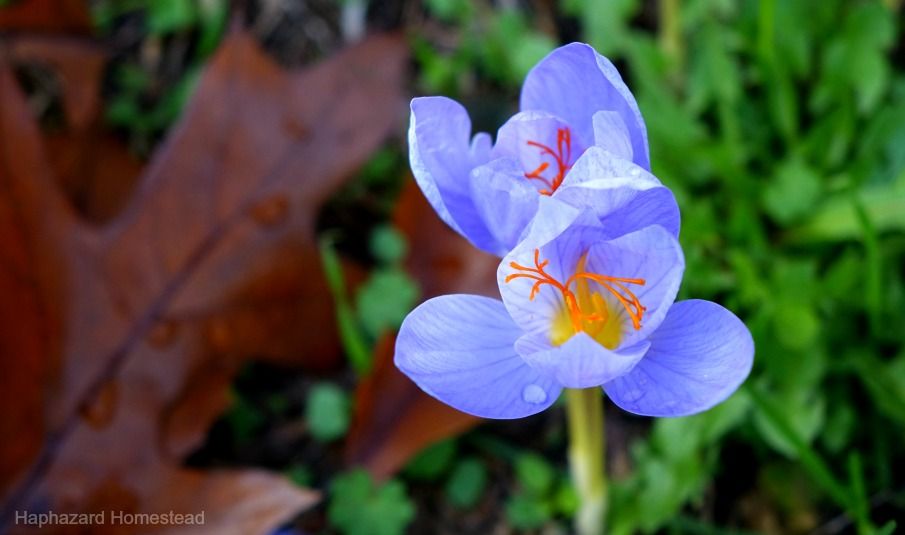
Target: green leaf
point(212, 15)
point(837, 432)
point(388, 245)
point(327, 412)
point(169, 108)
point(671, 468)
point(528, 51)
point(535, 474)
point(804, 416)
point(350, 332)
point(810, 459)
point(565, 500)
point(466, 483)
point(512, 47)
point(432, 462)
point(714, 75)
point(450, 10)
point(358, 507)
point(606, 23)
point(792, 192)
point(838, 218)
point(244, 418)
point(796, 325)
point(385, 300)
point(855, 59)
point(165, 16)
point(885, 382)
point(526, 512)
point(300, 475)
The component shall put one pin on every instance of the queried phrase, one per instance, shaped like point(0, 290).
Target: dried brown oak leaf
point(95, 169)
point(56, 16)
point(117, 344)
point(394, 419)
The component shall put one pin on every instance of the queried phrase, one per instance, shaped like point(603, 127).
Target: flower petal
point(698, 357)
point(441, 160)
point(536, 139)
point(599, 163)
point(459, 349)
point(610, 133)
point(624, 197)
point(574, 82)
point(581, 362)
point(504, 199)
point(481, 145)
point(651, 254)
point(561, 233)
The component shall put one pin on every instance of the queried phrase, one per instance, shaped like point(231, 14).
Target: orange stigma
point(561, 157)
point(575, 306)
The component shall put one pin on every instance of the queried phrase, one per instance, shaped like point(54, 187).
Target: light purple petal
point(599, 163)
point(651, 254)
point(481, 145)
point(574, 82)
point(504, 199)
point(698, 357)
point(623, 196)
point(460, 350)
point(552, 219)
point(623, 208)
point(610, 133)
point(442, 155)
point(562, 236)
point(535, 139)
point(561, 233)
point(581, 362)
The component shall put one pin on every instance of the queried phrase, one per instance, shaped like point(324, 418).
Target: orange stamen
point(615, 285)
point(561, 157)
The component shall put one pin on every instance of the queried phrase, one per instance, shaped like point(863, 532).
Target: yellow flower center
point(584, 310)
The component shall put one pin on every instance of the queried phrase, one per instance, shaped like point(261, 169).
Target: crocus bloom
point(572, 100)
point(581, 307)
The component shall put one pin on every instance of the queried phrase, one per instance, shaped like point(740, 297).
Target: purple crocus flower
point(572, 100)
point(582, 306)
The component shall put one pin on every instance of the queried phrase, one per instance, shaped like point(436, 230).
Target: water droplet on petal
point(534, 394)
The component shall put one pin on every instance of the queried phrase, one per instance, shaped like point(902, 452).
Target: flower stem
point(586, 457)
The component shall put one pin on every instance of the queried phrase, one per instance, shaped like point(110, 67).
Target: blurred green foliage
point(780, 125)
point(543, 492)
point(359, 507)
point(150, 86)
point(327, 412)
point(498, 45)
point(380, 304)
point(466, 483)
point(432, 462)
point(300, 475)
point(244, 418)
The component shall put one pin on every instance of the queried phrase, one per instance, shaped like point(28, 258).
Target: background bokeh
point(779, 125)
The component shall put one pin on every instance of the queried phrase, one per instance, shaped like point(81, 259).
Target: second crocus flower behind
point(572, 100)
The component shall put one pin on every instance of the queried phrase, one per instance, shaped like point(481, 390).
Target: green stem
point(586, 457)
point(670, 35)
